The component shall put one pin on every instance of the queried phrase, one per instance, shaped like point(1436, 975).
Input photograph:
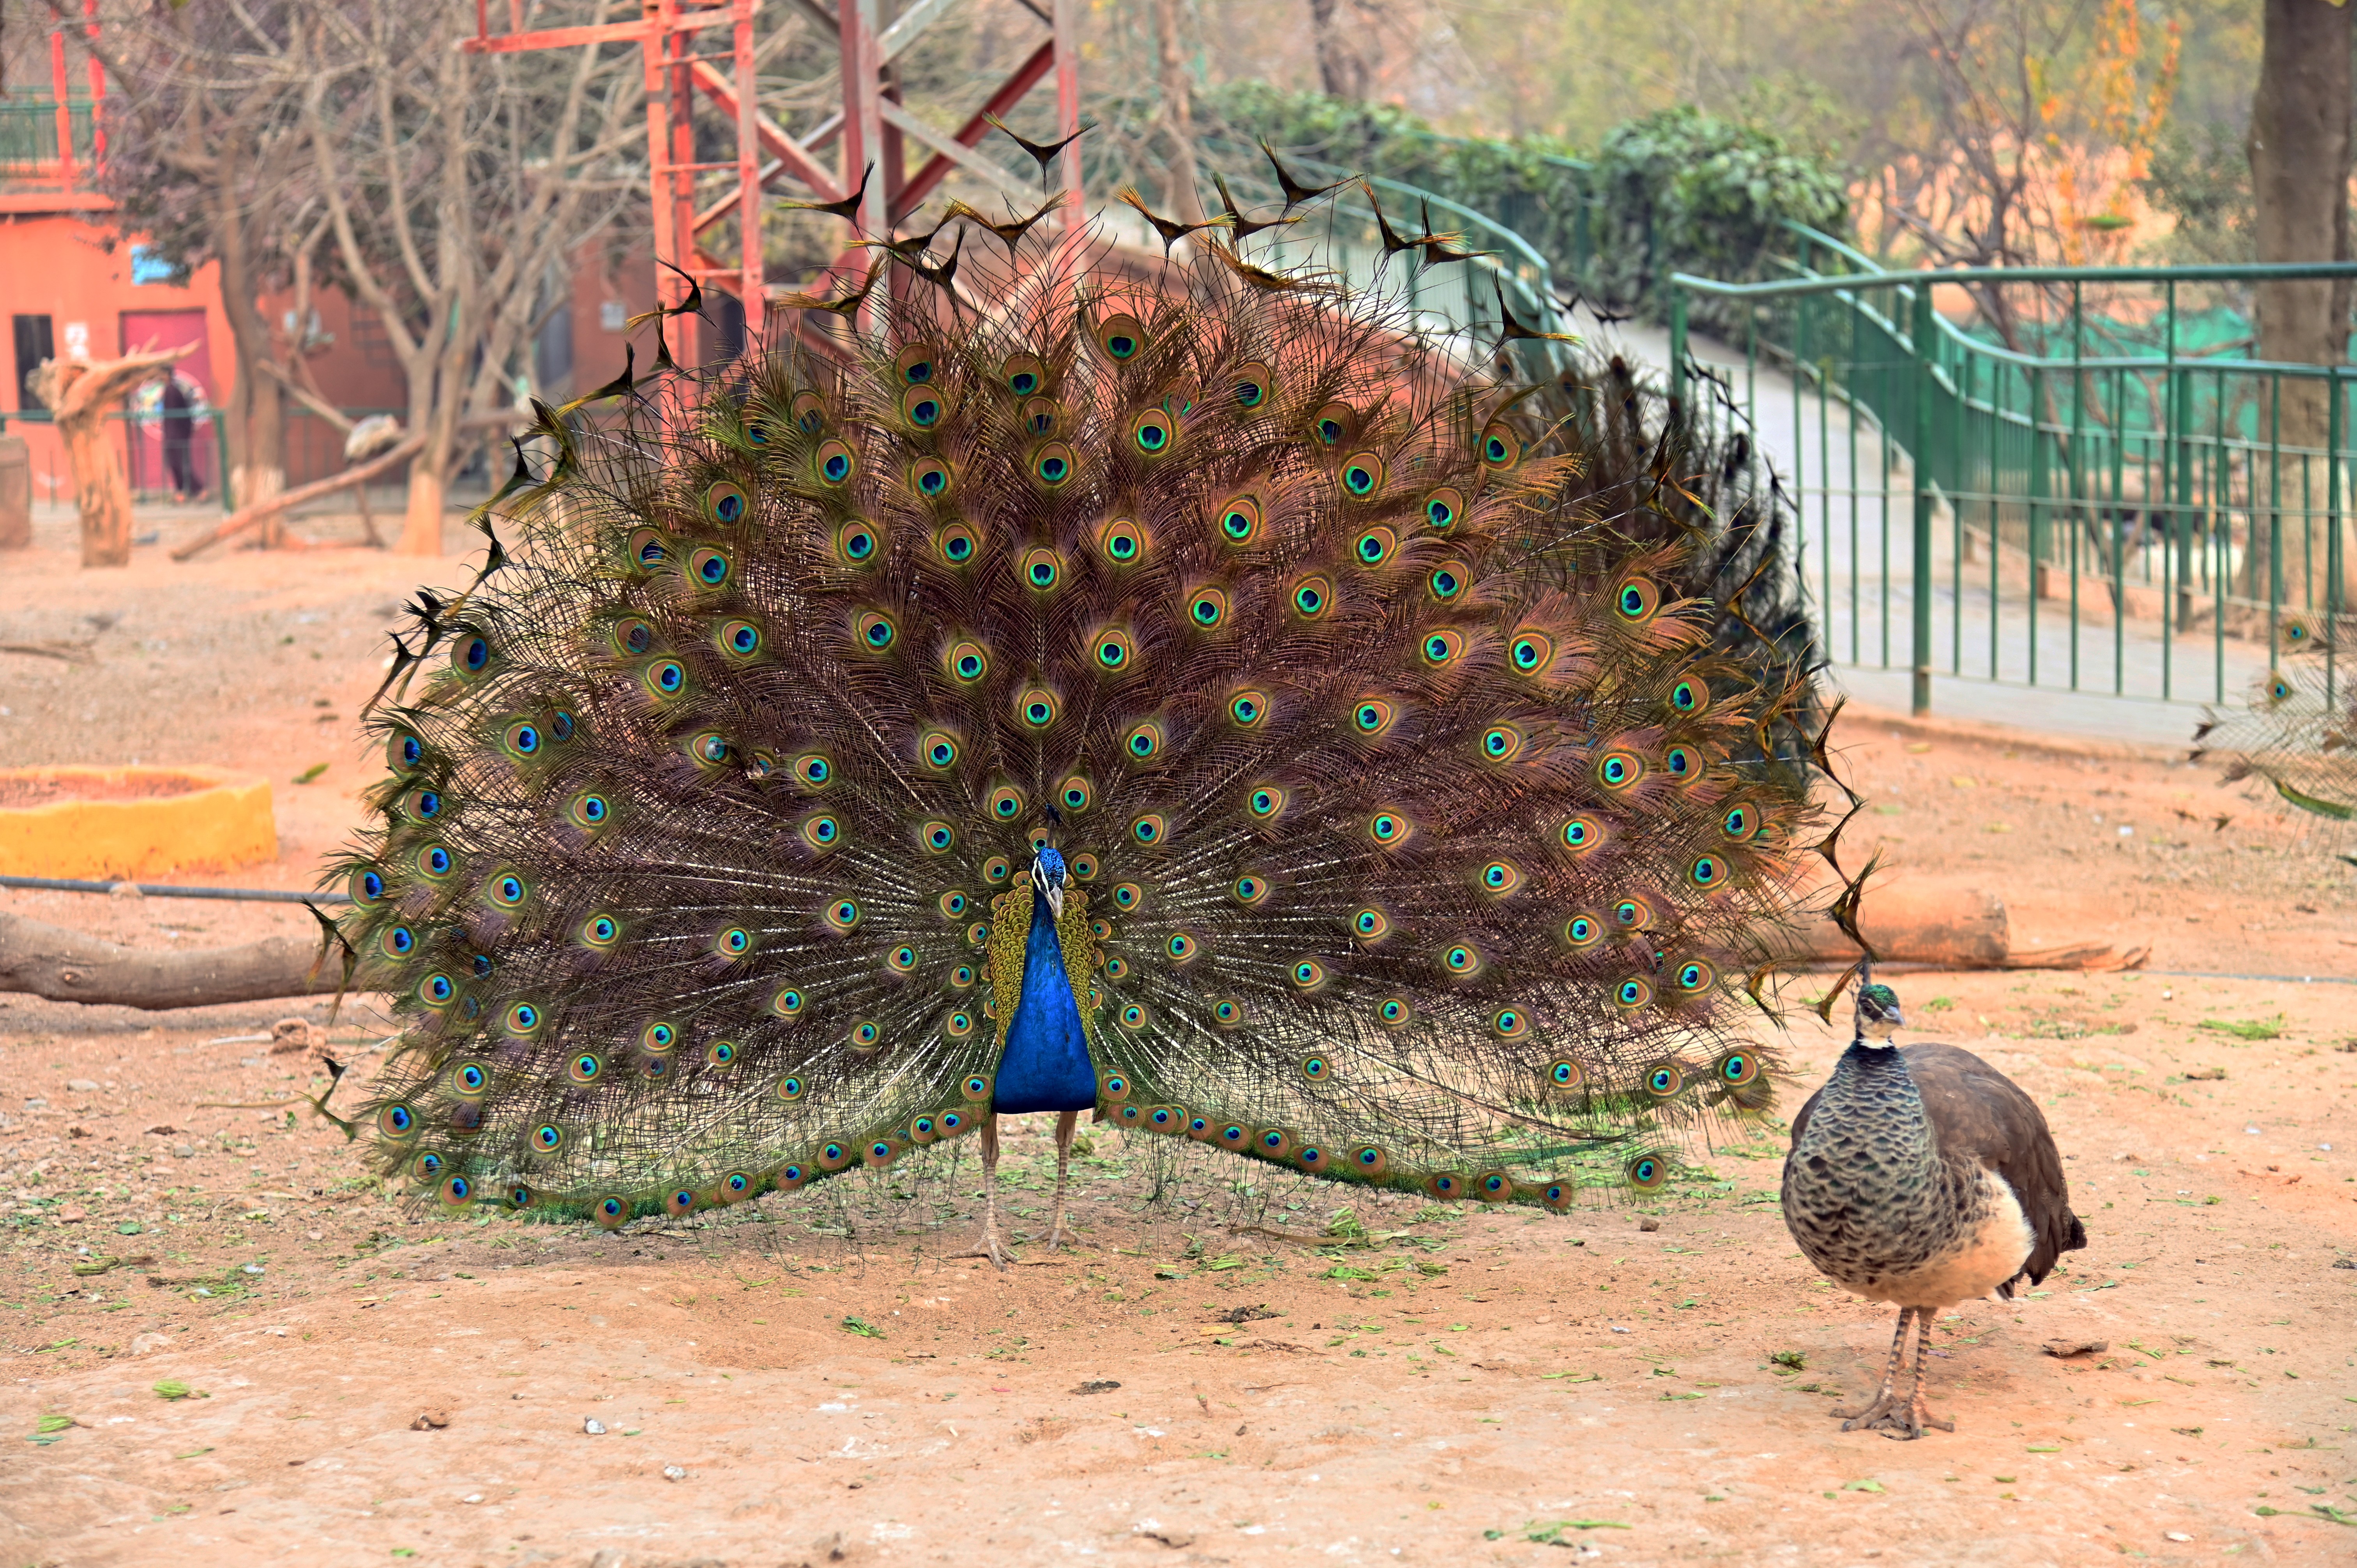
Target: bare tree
point(1178, 115)
point(454, 185)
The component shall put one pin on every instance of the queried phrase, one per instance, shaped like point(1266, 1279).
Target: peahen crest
point(1392, 810)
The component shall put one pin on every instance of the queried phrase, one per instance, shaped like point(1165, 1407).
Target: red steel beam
point(937, 169)
point(790, 153)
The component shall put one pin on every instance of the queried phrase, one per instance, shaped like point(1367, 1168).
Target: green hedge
point(1678, 191)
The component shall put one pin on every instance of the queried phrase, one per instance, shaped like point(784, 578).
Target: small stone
point(147, 1344)
point(1649, 1225)
point(673, 1473)
point(314, 1235)
point(2176, 1535)
point(2066, 1347)
point(82, 1085)
point(472, 1498)
point(125, 890)
point(430, 1421)
point(184, 1151)
point(594, 1427)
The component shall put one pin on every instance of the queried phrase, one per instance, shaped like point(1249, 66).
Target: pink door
point(151, 469)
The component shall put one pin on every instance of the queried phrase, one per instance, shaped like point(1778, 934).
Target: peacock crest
point(1411, 823)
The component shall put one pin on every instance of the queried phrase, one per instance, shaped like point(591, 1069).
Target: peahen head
point(1050, 876)
point(1877, 1014)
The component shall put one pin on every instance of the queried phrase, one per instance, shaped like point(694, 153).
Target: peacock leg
point(1058, 1236)
point(988, 1245)
point(1887, 1412)
point(1921, 1412)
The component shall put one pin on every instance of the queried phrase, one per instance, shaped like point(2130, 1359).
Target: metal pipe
point(158, 890)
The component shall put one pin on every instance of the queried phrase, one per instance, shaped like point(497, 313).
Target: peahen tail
point(2299, 730)
point(1408, 765)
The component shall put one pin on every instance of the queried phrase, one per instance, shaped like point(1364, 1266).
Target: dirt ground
point(812, 1380)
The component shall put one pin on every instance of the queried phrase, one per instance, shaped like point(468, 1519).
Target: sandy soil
point(813, 1380)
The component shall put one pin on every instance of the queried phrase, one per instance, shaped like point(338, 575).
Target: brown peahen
point(1209, 705)
point(1921, 1176)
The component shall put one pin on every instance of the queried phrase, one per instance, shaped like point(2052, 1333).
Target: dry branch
point(70, 966)
point(263, 510)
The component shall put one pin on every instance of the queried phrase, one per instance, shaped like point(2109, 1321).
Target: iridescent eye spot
point(708, 567)
point(1374, 547)
point(997, 869)
point(1737, 1068)
point(522, 740)
point(1583, 930)
point(1648, 1173)
point(1619, 771)
point(600, 931)
point(876, 631)
point(865, 1036)
point(1036, 707)
point(1370, 925)
point(1632, 994)
point(834, 462)
point(739, 639)
point(1123, 541)
point(814, 769)
point(1632, 914)
point(1442, 508)
point(1500, 448)
point(720, 1053)
point(1143, 741)
point(732, 942)
point(659, 1036)
point(1372, 717)
point(1369, 1160)
point(1446, 582)
point(425, 805)
point(1252, 384)
point(473, 655)
point(1565, 1074)
point(1148, 830)
point(1085, 867)
point(368, 887)
point(1460, 959)
point(922, 407)
point(426, 1166)
point(435, 862)
point(968, 662)
point(976, 1088)
point(1332, 422)
point(842, 914)
point(1312, 598)
point(1683, 764)
point(958, 544)
point(957, 1025)
point(953, 905)
point(666, 678)
point(1227, 1012)
point(1529, 654)
point(435, 990)
point(646, 547)
point(1240, 520)
point(1315, 1068)
point(1708, 871)
point(1636, 600)
point(938, 750)
point(1388, 828)
point(1501, 743)
point(1074, 795)
point(1441, 648)
point(1121, 337)
point(1500, 877)
point(808, 411)
point(930, 477)
point(1007, 802)
point(1181, 947)
point(708, 748)
point(1114, 651)
point(1127, 896)
point(1580, 835)
point(1116, 967)
point(1363, 474)
point(1249, 888)
point(1133, 1017)
point(584, 1067)
point(1267, 802)
point(1053, 464)
point(1309, 975)
point(1207, 608)
point(1689, 696)
point(790, 1089)
point(788, 1002)
point(1152, 433)
point(962, 977)
point(1042, 569)
point(398, 941)
point(1664, 1080)
point(404, 751)
point(548, 1137)
point(1024, 375)
point(1248, 707)
point(1695, 975)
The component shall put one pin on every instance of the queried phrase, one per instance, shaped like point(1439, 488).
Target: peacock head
point(1877, 1014)
point(1050, 876)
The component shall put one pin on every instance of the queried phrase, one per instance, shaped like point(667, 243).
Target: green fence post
point(221, 461)
point(1678, 344)
point(1918, 346)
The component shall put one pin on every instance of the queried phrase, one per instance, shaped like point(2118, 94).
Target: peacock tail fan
point(1426, 753)
point(2297, 730)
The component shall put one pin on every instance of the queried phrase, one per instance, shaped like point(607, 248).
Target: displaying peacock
point(1188, 695)
point(2299, 730)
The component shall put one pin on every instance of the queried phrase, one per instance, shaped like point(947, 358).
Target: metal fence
point(2103, 498)
point(28, 135)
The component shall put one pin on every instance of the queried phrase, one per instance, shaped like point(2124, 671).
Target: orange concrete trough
point(131, 823)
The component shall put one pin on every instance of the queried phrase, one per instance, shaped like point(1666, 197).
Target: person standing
point(179, 430)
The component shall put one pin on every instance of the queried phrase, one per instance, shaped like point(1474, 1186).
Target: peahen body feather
point(1205, 705)
point(2299, 730)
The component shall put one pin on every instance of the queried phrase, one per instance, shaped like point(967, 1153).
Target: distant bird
point(1295, 193)
point(1172, 233)
point(1923, 1176)
point(847, 208)
point(1009, 234)
point(1239, 225)
point(372, 438)
point(1044, 153)
point(2298, 732)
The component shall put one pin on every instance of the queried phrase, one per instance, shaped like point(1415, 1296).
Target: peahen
point(1207, 705)
point(2299, 731)
point(1921, 1176)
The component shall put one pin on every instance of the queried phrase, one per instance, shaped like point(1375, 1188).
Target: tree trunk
point(67, 966)
point(79, 396)
point(2299, 152)
point(1341, 70)
point(1178, 192)
point(256, 405)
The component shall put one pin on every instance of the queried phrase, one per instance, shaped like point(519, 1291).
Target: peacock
point(1192, 694)
point(2299, 730)
point(1921, 1176)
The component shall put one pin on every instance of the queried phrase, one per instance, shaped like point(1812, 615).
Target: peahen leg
point(988, 1245)
point(1887, 1412)
point(1921, 1414)
point(1058, 1236)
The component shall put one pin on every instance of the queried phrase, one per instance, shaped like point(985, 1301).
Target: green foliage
point(1678, 190)
point(2201, 175)
point(1681, 190)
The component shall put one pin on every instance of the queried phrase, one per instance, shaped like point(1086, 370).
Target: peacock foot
point(1900, 1420)
point(988, 1245)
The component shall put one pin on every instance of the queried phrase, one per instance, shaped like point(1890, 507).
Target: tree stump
point(79, 395)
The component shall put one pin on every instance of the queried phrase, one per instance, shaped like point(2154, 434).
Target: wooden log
point(79, 395)
point(70, 966)
point(263, 510)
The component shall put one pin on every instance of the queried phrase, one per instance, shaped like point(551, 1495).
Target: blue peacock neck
point(1046, 1064)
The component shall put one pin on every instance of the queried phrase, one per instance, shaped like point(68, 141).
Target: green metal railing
point(28, 135)
point(2144, 522)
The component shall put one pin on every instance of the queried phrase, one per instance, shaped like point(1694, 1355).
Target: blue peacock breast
point(1046, 1064)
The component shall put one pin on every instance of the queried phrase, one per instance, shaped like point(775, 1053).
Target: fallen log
point(65, 965)
point(263, 510)
point(1949, 927)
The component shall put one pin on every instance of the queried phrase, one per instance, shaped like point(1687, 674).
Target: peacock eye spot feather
point(1375, 546)
point(1312, 597)
point(877, 632)
point(1143, 741)
point(1502, 743)
point(1738, 1069)
point(1632, 994)
point(1446, 582)
point(958, 544)
point(1114, 651)
point(1148, 830)
point(790, 1089)
point(1636, 600)
point(834, 462)
point(1252, 384)
point(1314, 1069)
point(1248, 707)
point(1461, 958)
point(1389, 828)
point(1363, 474)
point(1085, 867)
point(1042, 569)
point(842, 914)
point(1152, 433)
point(1708, 871)
point(436, 989)
point(585, 1067)
point(1127, 896)
point(1248, 889)
point(997, 869)
point(709, 566)
point(1565, 1074)
point(1240, 521)
point(1181, 947)
point(1036, 708)
point(1075, 794)
point(723, 503)
point(1007, 802)
point(954, 904)
point(789, 1004)
point(396, 1121)
point(720, 1053)
point(398, 941)
point(548, 1137)
point(940, 751)
point(962, 977)
point(1682, 763)
point(1053, 464)
point(1370, 925)
point(1500, 877)
point(1619, 770)
point(1583, 930)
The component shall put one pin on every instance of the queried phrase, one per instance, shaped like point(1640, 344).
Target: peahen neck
point(1869, 1119)
point(1046, 1064)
